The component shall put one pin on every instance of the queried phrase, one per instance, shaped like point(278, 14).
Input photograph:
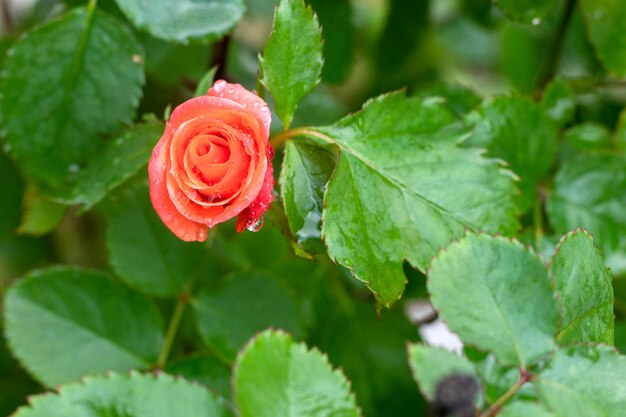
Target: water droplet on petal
point(264, 109)
point(201, 235)
point(219, 85)
point(256, 104)
point(254, 226)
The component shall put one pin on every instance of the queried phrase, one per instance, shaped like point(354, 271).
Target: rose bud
point(213, 163)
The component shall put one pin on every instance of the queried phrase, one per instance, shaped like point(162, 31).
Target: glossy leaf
point(184, 20)
point(430, 365)
point(403, 188)
point(205, 370)
point(513, 311)
point(588, 136)
point(529, 11)
point(585, 291)
point(559, 101)
point(292, 60)
point(606, 22)
point(584, 381)
point(517, 130)
point(246, 304)
point(144, 253)
point(82, 74)
point(133, 395)
point(590, 192)
point(10, 197)
point(306, 170)
point(275, 376)
point(41, 215)
point(64, 323)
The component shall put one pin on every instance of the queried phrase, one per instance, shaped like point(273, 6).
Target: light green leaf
point(292, 60)
point(133, 395)
point(116, 162)
point(584, 381)
point(403, 189)
point(585, 291)
point(184, 20)
point(305, 172)
point(276, 377)
point(41, 215)
point(430, 365)
point(82, 75)
point(606, 25)
point(588, 136)
point(144, 253)
point(517, 130)
point(528, 11)
point(206, 82)
point(590, 193)
point(246, 304)
point(205, 370)
point(10, 197)
point(524, 409)
point(513, 311)
point(64, 323)
point(559, 101)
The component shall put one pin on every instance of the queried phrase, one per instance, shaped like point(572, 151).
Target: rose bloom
point(213, 163)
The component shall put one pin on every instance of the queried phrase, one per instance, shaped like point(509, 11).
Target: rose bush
point(213, 162)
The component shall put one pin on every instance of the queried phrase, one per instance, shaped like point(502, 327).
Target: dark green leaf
point(524, 409)
point(41, 215)
point(513, 311)
point(588, 136)
point(246, 304)
point(559, 101)
point(203, 369)
point(430, 365)
point(585, 291)
point(144, 253)
point(292, 60)
point(606, 23)
point(584, 381)
point(10, 197)
point(336, 20)
point(133, 395)
point(528, 11)
point(459, 99)
point(590, 192)
point(517, 130)
point(306, 170)
point(184, 20)
point(276, 377)
point(64, 323)
point(65, 85)
point(403, 188)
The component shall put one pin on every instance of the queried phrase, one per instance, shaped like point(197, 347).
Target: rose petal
point(253, 213)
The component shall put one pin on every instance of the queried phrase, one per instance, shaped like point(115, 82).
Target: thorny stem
point(524, 377)
point(556, 48)
point(299, 131)
point(172, 329)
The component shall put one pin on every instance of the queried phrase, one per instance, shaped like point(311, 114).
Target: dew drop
point(536, 21)
point(256, 104)
point(254, 226)
point(264, 109)
point(201, 235)
point(230, 90)
point(219, 86)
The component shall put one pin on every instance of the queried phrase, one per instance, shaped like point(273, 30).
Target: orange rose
point(213, 163)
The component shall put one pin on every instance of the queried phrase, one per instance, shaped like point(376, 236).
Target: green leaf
point(528, 11)
point(335, 18)
point(292, 60)
point(524, 409)
point(590, 192)
point(305, 172)
point(585, 291)
point(606, 22)
point(620, 131)
point(144, 253)
point(559, 101)
point(430, 365)
point(10, 197)
point(588, 136)
point(517, 130)
point(64, 323)
point(133, 395)
point(403, 188)
point(514, 313)
point(459, 99)
point(205, 370)
point(276, 377)
point(117, 161)
point(246, 304)
point(184, 20)
point(83, 75)
point(584, 381)
point(41, 215)
point(206, 82)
